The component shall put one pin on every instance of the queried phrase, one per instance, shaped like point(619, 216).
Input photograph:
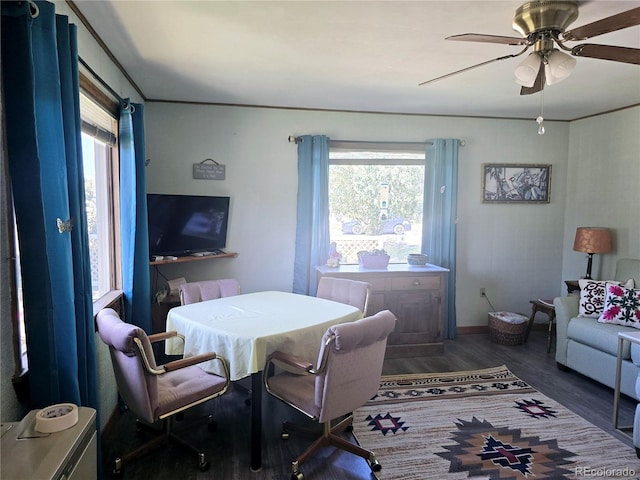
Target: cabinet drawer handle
point(416, 282)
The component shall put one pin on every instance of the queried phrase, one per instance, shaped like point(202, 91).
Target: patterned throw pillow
point(592, 296)
point(621, 306)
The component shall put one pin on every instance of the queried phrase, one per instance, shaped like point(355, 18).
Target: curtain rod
point(378, 142)
point(296, 140)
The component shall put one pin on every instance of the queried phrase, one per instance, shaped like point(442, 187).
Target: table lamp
point(592, 240)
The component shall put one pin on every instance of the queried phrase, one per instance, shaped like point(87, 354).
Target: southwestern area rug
point(484, 424)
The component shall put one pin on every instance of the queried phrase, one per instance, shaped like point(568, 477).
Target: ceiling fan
point(542, 25)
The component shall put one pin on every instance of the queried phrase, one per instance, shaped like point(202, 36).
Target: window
point(376, 198)
point(99, 157)
point(20, 336)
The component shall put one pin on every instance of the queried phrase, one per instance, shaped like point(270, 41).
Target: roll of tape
point(56, 418)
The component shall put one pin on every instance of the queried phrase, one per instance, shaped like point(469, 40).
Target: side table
point(572, 286)
point(631, 337)
point(544, 306)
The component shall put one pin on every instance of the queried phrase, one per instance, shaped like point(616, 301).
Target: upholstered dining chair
point(346, 376)
point(344, 290)
point(193, 292)
point(157, 392)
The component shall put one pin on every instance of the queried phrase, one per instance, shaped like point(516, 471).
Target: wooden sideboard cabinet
point(415, 295)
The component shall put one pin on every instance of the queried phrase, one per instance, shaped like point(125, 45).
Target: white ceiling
point(351, 55)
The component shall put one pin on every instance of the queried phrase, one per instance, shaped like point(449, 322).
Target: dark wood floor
point(228, 448)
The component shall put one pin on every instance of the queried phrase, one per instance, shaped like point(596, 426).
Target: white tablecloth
point(244, 329)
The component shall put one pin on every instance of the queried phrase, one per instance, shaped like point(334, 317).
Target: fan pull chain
point(540, 119)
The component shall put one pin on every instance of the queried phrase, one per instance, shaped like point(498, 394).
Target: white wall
point(604, 189)
point(514, 251)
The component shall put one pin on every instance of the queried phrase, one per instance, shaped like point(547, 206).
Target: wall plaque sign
point(208, 171)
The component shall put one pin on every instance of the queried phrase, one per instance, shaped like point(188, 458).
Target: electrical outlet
point(483, 293)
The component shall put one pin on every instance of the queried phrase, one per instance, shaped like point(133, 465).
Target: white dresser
point(70, 454)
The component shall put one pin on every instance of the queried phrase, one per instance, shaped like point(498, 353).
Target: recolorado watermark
point(587, 472)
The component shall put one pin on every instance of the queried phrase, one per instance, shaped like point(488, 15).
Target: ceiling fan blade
point(538, 85)
point(478, 37)
point(619, 21)
point(607, 52)
point(472, 67)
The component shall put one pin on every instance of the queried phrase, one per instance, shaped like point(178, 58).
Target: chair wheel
point(247, 402)
point(117, 467)
point(374, 464)
point(284, 435)
point(296, 473)
point(203, 464)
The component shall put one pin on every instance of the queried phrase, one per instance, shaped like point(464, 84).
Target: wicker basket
point(506, 333)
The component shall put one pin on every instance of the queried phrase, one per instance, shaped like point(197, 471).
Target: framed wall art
point(515, 183)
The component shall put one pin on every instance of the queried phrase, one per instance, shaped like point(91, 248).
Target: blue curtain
point(40, 77)
point(439, 216)
point(136, 283)
point(312, 229)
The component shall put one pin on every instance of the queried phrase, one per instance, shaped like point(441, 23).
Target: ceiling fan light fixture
point(527, 72)
point(558, 67)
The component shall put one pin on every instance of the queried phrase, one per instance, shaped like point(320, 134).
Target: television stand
point(217, 251)
point(192, 258)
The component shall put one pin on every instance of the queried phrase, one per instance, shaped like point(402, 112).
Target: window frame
point(113, 297)
point(395, 151)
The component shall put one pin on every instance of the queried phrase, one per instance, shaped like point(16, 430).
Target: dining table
point(245, 329)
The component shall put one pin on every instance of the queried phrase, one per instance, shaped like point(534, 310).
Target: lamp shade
point(527, 72)
point(592, 240)
point(558, 67)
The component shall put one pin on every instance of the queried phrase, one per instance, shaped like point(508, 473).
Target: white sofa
point(590, 347)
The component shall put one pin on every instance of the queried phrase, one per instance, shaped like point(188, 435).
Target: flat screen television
point(186, 224)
